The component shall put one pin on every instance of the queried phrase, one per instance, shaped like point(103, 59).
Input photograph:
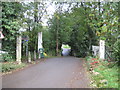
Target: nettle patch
point(104, 73)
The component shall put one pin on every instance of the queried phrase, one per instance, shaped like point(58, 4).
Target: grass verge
point(104, 74)
point(9, 66)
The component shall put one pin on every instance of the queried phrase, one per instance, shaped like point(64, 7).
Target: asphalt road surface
point(61, 72)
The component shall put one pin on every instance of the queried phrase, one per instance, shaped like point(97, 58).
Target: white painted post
point(39, 42)
point(1, 37)
point(102, 49)
point(0, 44)
point(29, 57)
point(18, 49)
point(34, 55)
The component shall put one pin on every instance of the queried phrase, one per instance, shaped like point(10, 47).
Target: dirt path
point(62, 72)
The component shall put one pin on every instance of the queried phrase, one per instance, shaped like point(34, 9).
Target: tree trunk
point(57, 44)
point(99, 6)
point(36, 12)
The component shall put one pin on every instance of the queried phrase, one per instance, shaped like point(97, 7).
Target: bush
point(7, 58)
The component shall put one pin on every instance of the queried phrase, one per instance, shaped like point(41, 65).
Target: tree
point(12, 12)
point(87, 23)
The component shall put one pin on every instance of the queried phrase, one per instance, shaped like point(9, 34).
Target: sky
point(50, 12)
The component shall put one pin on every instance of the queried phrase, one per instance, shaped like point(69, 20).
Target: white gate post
point(29, 57)
point(34, 55)
point(39, 42)
point(18, 49)
point(1, 37)
point(0, 44)
point(102, 49)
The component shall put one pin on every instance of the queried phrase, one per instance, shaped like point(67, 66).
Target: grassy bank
point(104, 74)
point(9, 66)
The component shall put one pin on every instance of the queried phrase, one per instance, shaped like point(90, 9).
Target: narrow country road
point(61, 72)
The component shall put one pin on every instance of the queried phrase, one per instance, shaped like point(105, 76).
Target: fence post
point(29, 57)
point(34, 55)
point(39, 43)
point(18, 49)
point(102, 49)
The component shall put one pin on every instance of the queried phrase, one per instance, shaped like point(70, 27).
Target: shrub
point(7, 58)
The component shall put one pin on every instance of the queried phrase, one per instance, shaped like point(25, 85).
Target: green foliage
point(103, 75)
point(109, 74)
point(87, 23)
point(33, 38)
point(66, 46)
point(46, 40)
point(116, 51)
point(73, 30)
point(104, 21)
point(34, 24)
point(12, 12)
point(7, 58)
point(7, 67)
